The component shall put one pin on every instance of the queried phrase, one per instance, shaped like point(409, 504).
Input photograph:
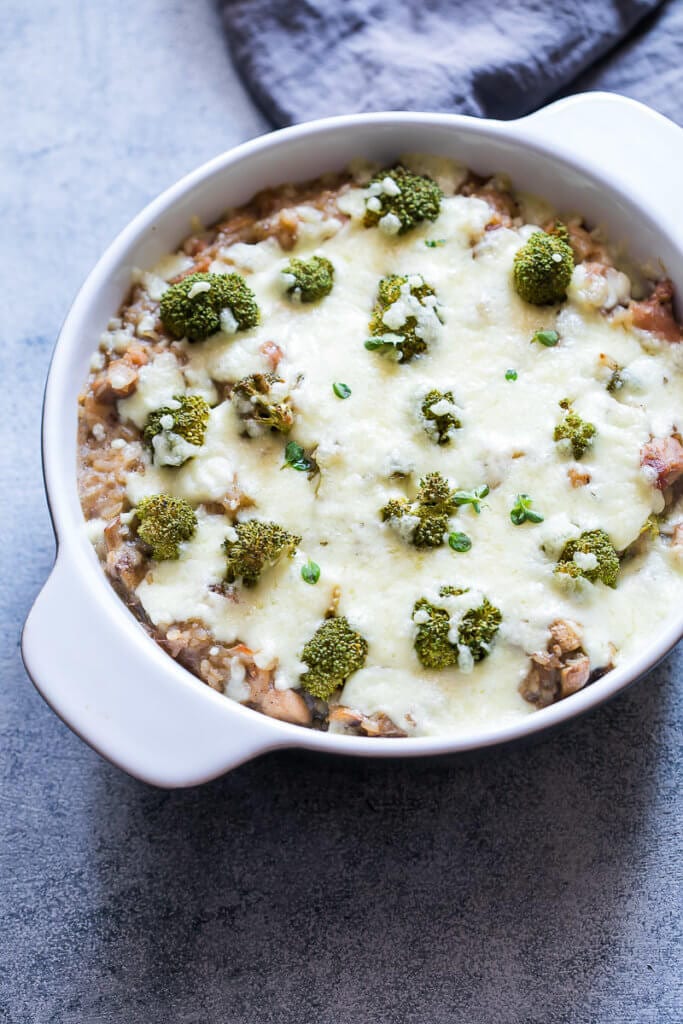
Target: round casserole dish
point(610, 158)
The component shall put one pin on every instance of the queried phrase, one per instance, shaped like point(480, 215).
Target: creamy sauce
point(505, 441)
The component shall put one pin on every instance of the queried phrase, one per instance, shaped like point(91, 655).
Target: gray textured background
point(536, 886)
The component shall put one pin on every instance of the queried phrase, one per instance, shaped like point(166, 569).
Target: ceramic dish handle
point(103, 681)
point(637, 147)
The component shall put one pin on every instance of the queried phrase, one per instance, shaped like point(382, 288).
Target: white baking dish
point(615, 161)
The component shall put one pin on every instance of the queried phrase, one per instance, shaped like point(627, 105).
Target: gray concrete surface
point(534, 886)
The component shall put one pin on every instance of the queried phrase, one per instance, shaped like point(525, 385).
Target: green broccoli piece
point(542, 269)
point(163, 522)
point(202, 304)
point(334, 652)
point(438, 415)
point(476, 630)
point(262, 401)
point(577, 432)
point(424, 521)
point(398, 200)
point(596, 551)
point(255, 546)
point(174, 430)
point(405, 319)
point(313, 279)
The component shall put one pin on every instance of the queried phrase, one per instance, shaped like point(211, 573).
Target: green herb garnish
point(341, 390)
point(310, 572)
point(459, 541)
point(435, 243)
point(521, 511)
point(296, 458)
point(510, 375)
point(547, 338)
point(473, 497)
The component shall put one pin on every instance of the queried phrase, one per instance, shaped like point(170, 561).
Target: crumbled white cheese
point(229, 324)
point(465, 659)
point(585, 560)
point(237, 687)
point(602, 288)
point(171, 449)
point(390, 187)
point(94, 529)
point(146, 326)
point(154, 286)
point(158, 382)
point(442, 407)
point(389, 224)
point(198, 288)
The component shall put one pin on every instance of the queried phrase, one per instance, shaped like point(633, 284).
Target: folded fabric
point(314, 58)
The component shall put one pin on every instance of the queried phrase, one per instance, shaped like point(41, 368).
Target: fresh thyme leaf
point(510, 375)
point(296, 458)
point(341, 390)
point(310, 572)
point(459, 541)
point(473, 497)
point(547, 338)
point(522, 512)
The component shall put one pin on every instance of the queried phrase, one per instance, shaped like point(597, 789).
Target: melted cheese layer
point(361, 443)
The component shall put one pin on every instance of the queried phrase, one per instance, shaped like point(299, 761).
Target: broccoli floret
point(174, 432)
point(334, 652)
point(398, 200)
point(542, 269)
point(577, 432)
point(438, 415)
point(163, 522)
point(202, 304)
point(255, 546)
point(262, 401)
point(312, 279)
point(434, 644)
point(424, 521)
point(591, 556)
point(405, 319)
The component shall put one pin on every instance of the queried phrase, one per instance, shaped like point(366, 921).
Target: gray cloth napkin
point(495, 58)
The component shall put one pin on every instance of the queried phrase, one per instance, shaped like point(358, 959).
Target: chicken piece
point(118, 380)
point(562, 669)
point(377, 725)
point(285, 705)
point(564, 637)
point(656, 314)
point(585, 246)
point(664, 456)
point(574, 675)
point(125, 563)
